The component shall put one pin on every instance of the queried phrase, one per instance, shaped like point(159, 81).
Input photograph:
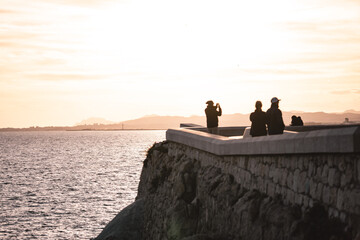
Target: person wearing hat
point(212, 113)
point(258, 121)
point(274, 118)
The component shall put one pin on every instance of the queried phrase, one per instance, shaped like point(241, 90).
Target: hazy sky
point(63, 61)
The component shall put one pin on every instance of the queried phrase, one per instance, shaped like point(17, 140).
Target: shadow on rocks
point(203, 237)
point(316, 225)
point(127, 225)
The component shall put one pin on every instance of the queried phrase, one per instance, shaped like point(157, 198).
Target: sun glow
point(206, 37)
point(72, 58)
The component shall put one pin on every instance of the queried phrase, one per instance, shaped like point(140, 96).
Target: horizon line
point(350, 111)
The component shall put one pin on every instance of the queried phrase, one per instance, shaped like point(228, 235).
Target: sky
point(63, 61)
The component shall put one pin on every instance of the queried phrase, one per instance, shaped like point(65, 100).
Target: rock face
point(126, 225)
point(181, 199)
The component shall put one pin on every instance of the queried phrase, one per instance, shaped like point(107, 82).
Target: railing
point(329, 139)
point(239, 130)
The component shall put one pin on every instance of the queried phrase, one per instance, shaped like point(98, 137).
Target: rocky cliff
point(181, 198)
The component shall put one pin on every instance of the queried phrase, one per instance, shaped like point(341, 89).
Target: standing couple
point(272, 118)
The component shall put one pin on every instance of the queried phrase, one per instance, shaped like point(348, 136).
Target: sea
point(68, 184)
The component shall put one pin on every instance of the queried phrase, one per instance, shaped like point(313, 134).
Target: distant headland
point(155, 122)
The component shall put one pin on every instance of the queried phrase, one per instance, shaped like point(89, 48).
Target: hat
point(274, 100)
point(210, 102)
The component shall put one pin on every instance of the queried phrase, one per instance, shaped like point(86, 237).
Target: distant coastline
point(135, 129)
point(155, 122)
point(68, 129)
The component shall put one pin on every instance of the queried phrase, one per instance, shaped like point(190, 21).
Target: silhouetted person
point(296, 121)
point(258, 121)
point(301, 123)
point(212, 112)
point(274, 118)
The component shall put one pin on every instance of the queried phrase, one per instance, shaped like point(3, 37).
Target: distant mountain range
point(352, 111)
point(238, 119)
point(165, 122)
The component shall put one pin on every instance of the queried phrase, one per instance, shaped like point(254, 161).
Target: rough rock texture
point(192, 196)
point(186, 201)
point(126, 225)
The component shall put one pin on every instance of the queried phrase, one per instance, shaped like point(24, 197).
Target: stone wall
point(190, 194)
point(302, 179)
point(199, 186)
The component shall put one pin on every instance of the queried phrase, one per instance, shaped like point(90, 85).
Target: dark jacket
point(258, 123)
point(212, 116)
point(274, 120)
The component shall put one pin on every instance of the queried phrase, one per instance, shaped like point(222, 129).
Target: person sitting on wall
point(212, 112)
point(258, 121)
point(274, 118)
point(296, 121)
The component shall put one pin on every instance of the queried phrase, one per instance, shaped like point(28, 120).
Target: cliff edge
point(180, 198)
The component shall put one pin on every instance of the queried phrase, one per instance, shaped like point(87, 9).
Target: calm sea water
point(68, 185)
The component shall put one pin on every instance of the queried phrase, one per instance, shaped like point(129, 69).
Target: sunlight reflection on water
point(68, 185)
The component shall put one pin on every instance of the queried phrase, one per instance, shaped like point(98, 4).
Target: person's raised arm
point(220, 111)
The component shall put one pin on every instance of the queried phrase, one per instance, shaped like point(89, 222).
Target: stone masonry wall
point(190, 194)
point(302, 179)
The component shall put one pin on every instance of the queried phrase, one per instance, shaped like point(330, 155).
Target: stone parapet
point(302, 168)
point(303, 179)
point(340, 140)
